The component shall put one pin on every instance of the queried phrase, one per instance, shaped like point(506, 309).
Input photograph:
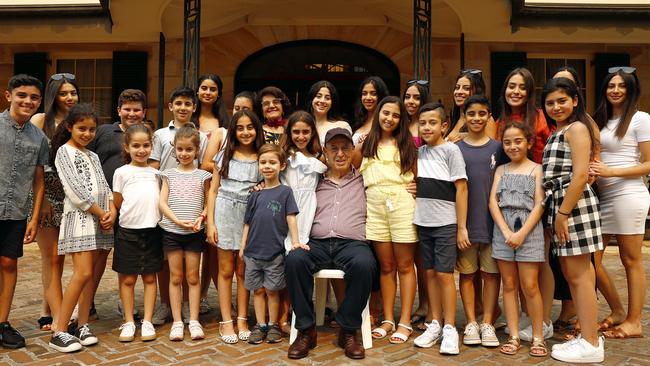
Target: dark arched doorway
point(294, 66)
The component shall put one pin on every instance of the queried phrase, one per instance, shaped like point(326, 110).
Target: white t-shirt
point(140, 189)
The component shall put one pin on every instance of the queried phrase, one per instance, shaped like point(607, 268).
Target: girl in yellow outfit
point(389, 160)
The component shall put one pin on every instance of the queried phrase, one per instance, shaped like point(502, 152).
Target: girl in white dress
point(624, 198)
point(87, 222)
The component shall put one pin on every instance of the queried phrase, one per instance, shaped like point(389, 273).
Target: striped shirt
point(438, 168)
point(186, 197)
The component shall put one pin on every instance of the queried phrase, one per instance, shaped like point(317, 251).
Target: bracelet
point(562, 213)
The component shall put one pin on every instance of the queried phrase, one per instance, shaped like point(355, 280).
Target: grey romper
point(516, 196)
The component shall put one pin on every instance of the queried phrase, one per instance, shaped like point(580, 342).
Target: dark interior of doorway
point(295, 66)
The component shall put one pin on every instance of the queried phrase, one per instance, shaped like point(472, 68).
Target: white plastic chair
point(320, 289)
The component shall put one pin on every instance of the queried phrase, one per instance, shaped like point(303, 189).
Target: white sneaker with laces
point(128, 332)
point(449, 344)
point(471, 334)
point(430, 336)
point(488, 336)
point(147, 331)
point(580, 351)
point(196, 330)
point(526, 334)
point(162, 313)
point(176, 331)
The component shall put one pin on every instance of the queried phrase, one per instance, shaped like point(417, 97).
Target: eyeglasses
point(62, 75)
point(275, 102)
point(419, 82)
point(625, 69)
point(473, 72)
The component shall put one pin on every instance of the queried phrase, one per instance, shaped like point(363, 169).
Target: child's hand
point(241, 253)
point(562, 228)
point(462, 239)
point(259, 186)
point(515, 240)
point(106, 220)
point(197, 224)
point(186, 224)
point(30, 232)
point(298, 245)
point(411, 188)
point(47, 212)
point(211, 234)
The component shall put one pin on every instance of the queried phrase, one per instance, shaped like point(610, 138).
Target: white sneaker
point(128, 332)
point(196, 330)
point(147, 331)
point(176, 332)
point(524, 322)
point(488, 336)
point(185, 312)
point(526, 334)
point(162, 313)
point(449, 344)
point(430, 336)
point(471, 334)
point(580, 351)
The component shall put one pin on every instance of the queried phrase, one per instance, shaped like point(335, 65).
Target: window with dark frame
point(544, 68)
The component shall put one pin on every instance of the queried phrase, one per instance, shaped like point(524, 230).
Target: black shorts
point(12, 234)
point(438, 247)
point(186, 242)
point(137, 251)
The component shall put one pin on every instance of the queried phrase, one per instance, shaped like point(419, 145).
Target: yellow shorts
point(390, 215)
point(469, 259)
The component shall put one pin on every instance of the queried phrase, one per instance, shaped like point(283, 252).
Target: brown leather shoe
point(305, 341)
point(350, 343)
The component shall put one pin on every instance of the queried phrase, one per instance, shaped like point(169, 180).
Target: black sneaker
point(258, 334)
point(9, 337)
point(64, 342)
point(85, 336)
point(274, 334)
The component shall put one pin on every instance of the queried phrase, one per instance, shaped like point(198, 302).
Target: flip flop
point(607, 324)
point(618, 333)
point(417, 319)
point(45, 323)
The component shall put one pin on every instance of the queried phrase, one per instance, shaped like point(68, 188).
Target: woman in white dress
point(624, 198)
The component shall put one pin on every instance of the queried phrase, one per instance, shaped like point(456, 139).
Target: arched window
point(294, 66)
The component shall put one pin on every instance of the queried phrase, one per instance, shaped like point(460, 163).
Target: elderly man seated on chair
point(337, 241)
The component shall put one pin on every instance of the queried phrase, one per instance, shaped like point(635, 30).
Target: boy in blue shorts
point(23, 153)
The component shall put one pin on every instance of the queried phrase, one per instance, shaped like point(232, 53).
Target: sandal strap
point(241, 318)
point(405, 326)
point(389, 322)
point(225, 322)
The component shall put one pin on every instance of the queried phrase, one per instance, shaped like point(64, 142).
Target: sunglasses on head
point(419, 82)
point(62, 75)
point(625, 69)
point(472, 71)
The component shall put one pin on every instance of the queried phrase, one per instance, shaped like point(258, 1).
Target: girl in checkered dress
point(573, 212)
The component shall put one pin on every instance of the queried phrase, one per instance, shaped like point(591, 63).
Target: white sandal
point(381, 331)
point(399, 338)
point(229, 338)
point(243, 334)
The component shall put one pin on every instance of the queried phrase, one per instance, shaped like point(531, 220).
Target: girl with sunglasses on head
point(415, 95)
point(61, 94)
point(624, 198)
point(468, 82)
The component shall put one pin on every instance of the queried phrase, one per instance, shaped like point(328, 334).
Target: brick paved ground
point(211, 351)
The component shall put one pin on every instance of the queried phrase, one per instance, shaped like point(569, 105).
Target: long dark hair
point(50, 106)
point(424, 94)
point(232, 143)
point(333, 112)
point(77, 114)
point(476, 86)
point(630, 105)
point(360, 112)
point(313, 146)
point(128, 134)
point(579, 114)
point(529, 110)
point(403, 138)
point(218, 108)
